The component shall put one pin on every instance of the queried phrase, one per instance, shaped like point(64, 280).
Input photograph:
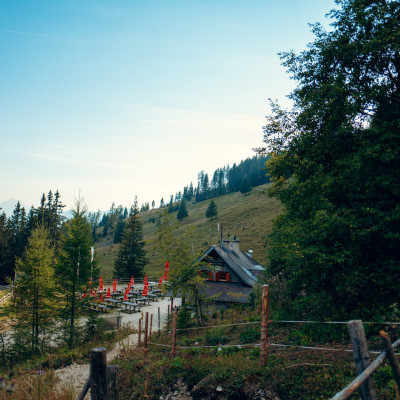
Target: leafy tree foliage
point(335, 165)
point(183, 277)
point(182, 212)
point(131, 258)
point(212, 210)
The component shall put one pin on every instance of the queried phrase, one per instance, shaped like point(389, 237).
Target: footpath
point(74, 376)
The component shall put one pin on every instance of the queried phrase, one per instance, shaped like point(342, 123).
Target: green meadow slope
point(248, 217)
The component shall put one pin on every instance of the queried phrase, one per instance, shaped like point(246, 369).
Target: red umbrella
point(95, 293)
point(145, 291)
point(126, 296)
point(132, 282)
point(115, 285)
point(84, 293)
point(108, 295)
point(101, 297)
point(101, 283)
point(160, 283)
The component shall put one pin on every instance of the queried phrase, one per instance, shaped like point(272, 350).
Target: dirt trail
point(75, 375)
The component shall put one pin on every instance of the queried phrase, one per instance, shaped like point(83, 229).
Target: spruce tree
point(245, 186)
point(131, 258)
point(182, 212)
point(212, 210)
point(74, 269)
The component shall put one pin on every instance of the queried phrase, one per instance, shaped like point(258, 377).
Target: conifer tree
point(245, 186)
point(33, 305)
point(75, 267)
point(212, 210)
point(182, 212)
point(131, 258)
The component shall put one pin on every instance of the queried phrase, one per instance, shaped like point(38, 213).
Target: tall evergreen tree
point(119, 230)
point(74, 269)
point(212, 210)
point(245, 186)
point(182, 211)
point(131, 258)
point(6, 257)
point(33, 305)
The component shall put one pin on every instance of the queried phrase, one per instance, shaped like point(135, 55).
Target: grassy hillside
point(248, 217)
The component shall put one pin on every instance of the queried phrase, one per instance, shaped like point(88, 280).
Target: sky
point(115, 99)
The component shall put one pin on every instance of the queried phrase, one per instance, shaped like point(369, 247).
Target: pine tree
point(75, 267)
point(212, 210)
point(119, 231)
point(182, 212)
point(245, 186)
point(131, 258)
point(33, 305)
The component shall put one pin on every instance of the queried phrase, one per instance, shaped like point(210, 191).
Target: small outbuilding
point(231, 274)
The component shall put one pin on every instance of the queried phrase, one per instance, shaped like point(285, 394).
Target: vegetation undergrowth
point(35, 378)
point(231, 367)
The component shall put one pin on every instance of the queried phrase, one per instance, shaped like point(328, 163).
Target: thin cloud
point(182, 111)
point(77, 161)
point(31, 33)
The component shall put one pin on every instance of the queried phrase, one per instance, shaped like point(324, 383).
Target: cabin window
point(222, 276)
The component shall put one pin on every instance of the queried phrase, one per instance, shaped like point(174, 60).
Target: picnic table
point(130, 307)
point(143, 300)
point(113, 302)
point(99, 307)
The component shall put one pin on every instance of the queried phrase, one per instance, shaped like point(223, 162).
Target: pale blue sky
point(124, 98)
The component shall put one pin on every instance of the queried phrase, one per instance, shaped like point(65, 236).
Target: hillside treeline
point(15, 230)
point(239, 177)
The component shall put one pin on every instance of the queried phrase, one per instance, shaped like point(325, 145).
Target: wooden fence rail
point(364, 381)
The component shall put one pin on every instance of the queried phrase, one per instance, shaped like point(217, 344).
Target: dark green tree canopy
point(182, 211)
point(335, 161)
point(245, 186)
point(131, 258)
point(212, 210)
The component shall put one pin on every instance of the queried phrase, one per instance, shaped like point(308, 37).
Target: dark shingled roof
point(239, 262)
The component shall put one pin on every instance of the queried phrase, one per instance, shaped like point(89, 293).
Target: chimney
point(233, 245)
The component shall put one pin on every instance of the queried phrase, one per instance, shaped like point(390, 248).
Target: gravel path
point(75, 375)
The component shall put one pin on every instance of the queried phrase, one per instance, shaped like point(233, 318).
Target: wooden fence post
point(264, 327)
point(168, 317)
point(159, 323)
point(151, 326)
point(392, 358)
point(112, 382)
point(174, 333)
point(146, 329)
point(361, 357)
point(140, 330)
point(98, 373)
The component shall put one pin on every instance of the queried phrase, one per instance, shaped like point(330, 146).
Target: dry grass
point(248, 217)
